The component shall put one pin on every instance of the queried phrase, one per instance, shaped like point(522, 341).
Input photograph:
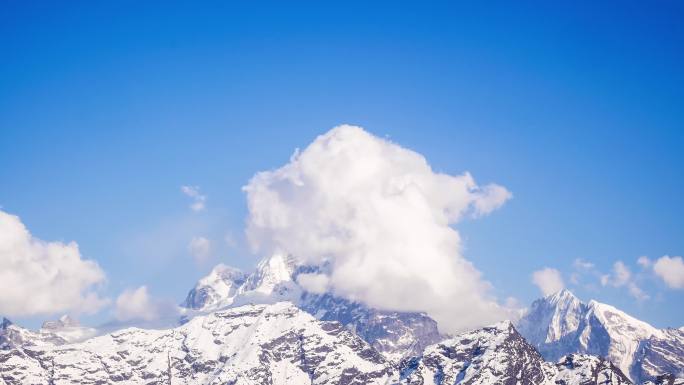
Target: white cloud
point(644, 262)
point(548, 280)
point(380, 216)
point(198, 200)
point(200, 248)
point(315, 283)
point(582, 264)
point(671, 271)
point(138, 305)
point(621, 276)
point(582, 268)
point(39, 277)
point(134, 304)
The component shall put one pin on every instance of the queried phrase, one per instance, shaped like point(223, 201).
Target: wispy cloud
point(198, 200)
point(621, 276)
point(200, 249)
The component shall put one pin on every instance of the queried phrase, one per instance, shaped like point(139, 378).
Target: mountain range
point(263, 328)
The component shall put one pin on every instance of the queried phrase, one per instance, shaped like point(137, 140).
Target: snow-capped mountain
point(552, 321)
point(218, 289)
point(281, 344)
point(394, 334)
point(561, 324)
point(499, 355)
point(252, 344)
point(272, 281)
point(68, 329)
point(58, 332)
point(263, 328)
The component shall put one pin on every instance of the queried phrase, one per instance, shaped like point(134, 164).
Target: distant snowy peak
point(62, 322)
point(68, 329)
point(500, 355)
point(270, 273)
point(272, 281)
point(58, 332)
point(215, 290)
point(227, 286)
point(552, 318)
point(561, 324)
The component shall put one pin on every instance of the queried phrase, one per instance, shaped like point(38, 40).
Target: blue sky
point(107, 109)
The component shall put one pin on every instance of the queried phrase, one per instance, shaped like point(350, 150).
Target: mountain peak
point(270, 273)
point(216, 289)
point(560, 324)
point(552, 319)
point(562, 294)
point(62, 322)
point(504, 325)
point(222, 272)
point(67, 320)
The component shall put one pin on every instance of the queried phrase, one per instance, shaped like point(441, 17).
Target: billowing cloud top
point(38, 277)
point(379, 217)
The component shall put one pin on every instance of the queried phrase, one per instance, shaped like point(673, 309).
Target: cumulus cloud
point(670, 270)
point(200, 248)
point(198, 200)
point(134, 304)
point(39, 277)
point(621, 276)
point(138, 305)
point(380, 217)
point(548, 280)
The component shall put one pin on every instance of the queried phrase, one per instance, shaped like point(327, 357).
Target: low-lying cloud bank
point(39, 277)
point(380, 218)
